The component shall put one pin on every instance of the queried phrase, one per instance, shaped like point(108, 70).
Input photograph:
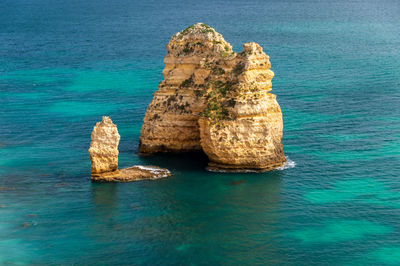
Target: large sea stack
point(216, 100)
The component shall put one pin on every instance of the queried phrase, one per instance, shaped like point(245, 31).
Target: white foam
point(289, 164)
point(232, 171)
point(154, 170)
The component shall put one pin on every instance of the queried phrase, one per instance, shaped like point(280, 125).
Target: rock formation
point(103, 154)
point(134, 173)
point(103, 149)
point(215, 100)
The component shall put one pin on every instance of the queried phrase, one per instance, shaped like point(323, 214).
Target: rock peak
point(252, 47)
point(106, 120)
point(197, 30)
point(198, 39)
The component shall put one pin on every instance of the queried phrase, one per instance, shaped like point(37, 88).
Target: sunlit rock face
point(170, 123)
point(241, 127)
point(103, 153)
point(215, 100)
point(103, 149)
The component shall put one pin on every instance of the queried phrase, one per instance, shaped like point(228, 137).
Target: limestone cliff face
point(216, 100)
point(103, 149)
point(170, 123)
point(241, 126)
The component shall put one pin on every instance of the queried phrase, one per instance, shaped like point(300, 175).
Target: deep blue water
point(64, 64)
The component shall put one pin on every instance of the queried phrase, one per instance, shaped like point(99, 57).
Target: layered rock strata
point(170, 123)
point(103, 154)
point(216, 100)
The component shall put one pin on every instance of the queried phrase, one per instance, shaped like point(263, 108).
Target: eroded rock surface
point(241, 126)
point(170, 123)
point(216, 100)
point(103, 153)
point(134, 173)
point(103, 149)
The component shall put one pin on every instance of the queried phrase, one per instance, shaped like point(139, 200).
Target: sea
point(65, 64)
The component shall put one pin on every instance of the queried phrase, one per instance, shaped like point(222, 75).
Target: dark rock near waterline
point(134, 173)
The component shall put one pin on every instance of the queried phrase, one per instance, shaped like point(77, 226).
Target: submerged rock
point(103, 153)
point(215, 100)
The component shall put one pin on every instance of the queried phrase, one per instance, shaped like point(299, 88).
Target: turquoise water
point(64, 64)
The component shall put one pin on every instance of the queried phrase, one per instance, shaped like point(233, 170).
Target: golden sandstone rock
point(134, 173)
point(215, 100)
point(103, 153)
point(103, 149)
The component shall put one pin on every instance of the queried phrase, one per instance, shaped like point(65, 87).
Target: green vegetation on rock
point(187, 49)
point(186, 31)
point(238, 69)
point(217, 103)
point(187, 82)
point(206, 28)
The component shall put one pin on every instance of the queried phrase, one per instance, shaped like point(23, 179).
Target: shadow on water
point(196, 161)
point(193, 161)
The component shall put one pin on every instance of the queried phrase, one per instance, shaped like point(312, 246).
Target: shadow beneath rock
point(192, 161)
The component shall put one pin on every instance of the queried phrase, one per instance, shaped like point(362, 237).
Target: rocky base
point(148, 150)
point(215, 167)
point(134, 173)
